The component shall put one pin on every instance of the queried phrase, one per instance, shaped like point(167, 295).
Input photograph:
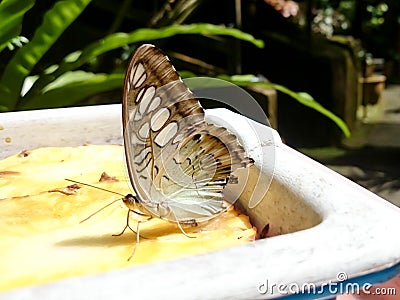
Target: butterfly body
point(177, 163)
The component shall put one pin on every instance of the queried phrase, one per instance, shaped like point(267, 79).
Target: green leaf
point(304, 98)
point(18, 42)
point(68, 78)
point(73, 87)
point(119, 39)
point(55, 21)
point(11, 15)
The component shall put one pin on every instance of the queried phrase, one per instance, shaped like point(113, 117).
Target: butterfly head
point(131, 201)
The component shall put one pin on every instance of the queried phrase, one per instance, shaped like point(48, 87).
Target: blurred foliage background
point(74, 52)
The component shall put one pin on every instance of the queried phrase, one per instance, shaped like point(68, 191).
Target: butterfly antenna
point(99, 188)
point(96, 212)
point(95, 187)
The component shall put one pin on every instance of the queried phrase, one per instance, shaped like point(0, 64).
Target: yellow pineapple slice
point(42, 239)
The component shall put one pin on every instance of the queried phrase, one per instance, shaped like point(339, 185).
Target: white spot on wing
point(139, 95)
point(154, 104)
point(134, 115)
point(166, 134)
point(144, 130)
point(178, 138)
point(159, 119)
point(131, 115)
point(137, 116)
point(138, 76)
point(147, 97)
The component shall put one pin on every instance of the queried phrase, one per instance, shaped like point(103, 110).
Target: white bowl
point(326, 228)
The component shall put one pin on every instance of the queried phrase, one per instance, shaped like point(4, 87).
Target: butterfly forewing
point(177, 163)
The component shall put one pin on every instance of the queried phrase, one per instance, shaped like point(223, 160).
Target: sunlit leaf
point(120, 39)
point(303, 98)
point(11, 14)
point(71, 89)
point(55, 21)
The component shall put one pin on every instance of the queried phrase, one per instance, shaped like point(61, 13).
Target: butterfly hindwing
point(177, 163)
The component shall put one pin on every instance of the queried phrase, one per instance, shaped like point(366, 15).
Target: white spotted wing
point(177, 163)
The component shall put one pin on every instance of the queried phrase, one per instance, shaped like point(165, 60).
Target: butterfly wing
point(177, 163)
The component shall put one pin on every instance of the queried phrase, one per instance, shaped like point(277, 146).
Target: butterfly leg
point(191, 223)
point(126, 226)
point(137, 237)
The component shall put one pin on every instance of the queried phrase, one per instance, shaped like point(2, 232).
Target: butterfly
point(178, 164)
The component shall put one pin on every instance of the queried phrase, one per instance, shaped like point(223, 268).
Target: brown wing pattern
point(178, 164)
